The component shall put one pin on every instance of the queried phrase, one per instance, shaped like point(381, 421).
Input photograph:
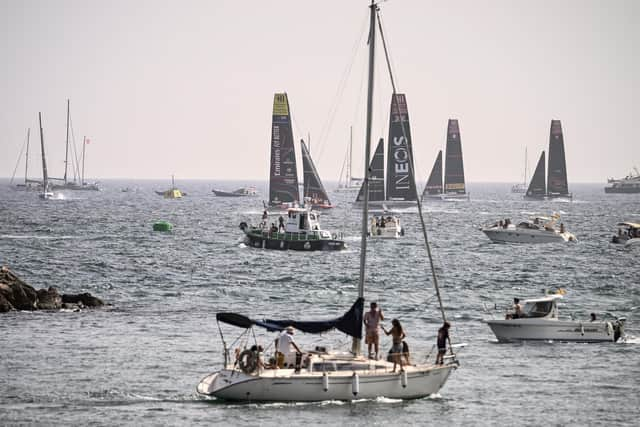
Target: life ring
point(248, 361)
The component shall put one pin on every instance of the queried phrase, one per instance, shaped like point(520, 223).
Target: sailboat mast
point(350, 154)
point(45, 176)
point(26, 158)
point(355, 348)
point(84, 144)
point(66, 150)
point(525, 166)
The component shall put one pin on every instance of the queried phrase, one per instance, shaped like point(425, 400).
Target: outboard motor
point(618, 328)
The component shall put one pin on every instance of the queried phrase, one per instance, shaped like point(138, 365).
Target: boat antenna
point(26, 163)
point(355, 348)
point(66, 150)
point(411, 167)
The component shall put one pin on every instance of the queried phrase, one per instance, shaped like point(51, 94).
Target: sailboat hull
point(284, 385)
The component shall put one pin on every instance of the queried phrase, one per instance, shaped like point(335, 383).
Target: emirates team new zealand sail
point(296, 228)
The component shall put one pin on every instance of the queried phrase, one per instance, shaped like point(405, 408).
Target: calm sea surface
point(139, 360)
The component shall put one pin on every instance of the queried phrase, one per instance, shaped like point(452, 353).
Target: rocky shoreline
point(15, 294)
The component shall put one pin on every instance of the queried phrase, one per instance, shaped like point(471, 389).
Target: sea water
point(138, 360)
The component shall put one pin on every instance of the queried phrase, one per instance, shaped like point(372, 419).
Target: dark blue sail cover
point(350, 323)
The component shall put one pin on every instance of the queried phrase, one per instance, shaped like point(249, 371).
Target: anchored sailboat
point(454, 186)
point(399, 190)
point(321, 374)
point(556, 184)
point(522, 187)
point(350, 183)
point(283, 177)
point(173, 192)
point(46, 190)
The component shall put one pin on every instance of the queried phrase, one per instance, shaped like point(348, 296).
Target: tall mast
point(350, 158)
point(45, 176)
point(525, 166)
point(355, 348)
point(66, 150)
point(84, 144)
point(26, 158)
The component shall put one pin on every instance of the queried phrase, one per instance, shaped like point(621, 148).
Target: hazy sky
point(186, 87)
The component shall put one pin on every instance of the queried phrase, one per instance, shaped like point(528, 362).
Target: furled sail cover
point(434, 184)
point(350, 323)
point(453, 165)
point(313, 187)
point(400, 181)
point(537, 186)
point(557, 169)
point(283, 180)
point(376, 176)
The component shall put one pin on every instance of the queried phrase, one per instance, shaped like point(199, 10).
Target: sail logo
point(276, 150)
point(401, 166)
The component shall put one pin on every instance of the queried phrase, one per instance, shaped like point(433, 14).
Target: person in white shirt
point(287, 346)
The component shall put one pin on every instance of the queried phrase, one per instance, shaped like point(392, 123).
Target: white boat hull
point(551, 330)
point(283, 385)
point(517, 235)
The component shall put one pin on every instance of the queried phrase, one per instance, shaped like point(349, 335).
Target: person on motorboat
point(517, 310)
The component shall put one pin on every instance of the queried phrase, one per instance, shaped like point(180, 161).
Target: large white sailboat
point(320, 374)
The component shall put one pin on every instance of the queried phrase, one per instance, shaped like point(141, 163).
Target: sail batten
point(557, 169)
point(454, 167)
point(400, 180)
point(313, 188)
point(283, 178)
point(434, 183)
point(376, 176)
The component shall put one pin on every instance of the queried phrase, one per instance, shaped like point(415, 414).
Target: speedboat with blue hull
point(299, 231)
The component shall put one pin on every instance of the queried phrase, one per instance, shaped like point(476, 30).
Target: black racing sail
point(313, 188)
point(400, 181)
point(350, 323)
point(537, 188)
point(283, 179)
point(376, 176)
point(557, 185)
point(434, 183)
point(453, 167)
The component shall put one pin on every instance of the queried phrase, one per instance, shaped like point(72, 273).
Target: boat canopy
point(350, 323)
point(551, 297)
point(628, 224)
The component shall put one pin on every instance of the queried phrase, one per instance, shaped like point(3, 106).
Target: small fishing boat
point(385, 227)
point(173, 192)
point(240, 192)
point(539, 321)
point(538, 229)
point(628, 234)
point(299, 231)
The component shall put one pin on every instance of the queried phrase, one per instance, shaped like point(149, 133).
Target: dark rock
point(5, 305)
point(86, 299)
point(49, 299)
point(16, 292)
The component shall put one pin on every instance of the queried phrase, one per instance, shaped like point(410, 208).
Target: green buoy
point(162, 226)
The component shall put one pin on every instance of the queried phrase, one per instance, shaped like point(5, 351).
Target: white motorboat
point(628, 233)
point(538, 229)
point(385, 227)
point(539, 321)
point(324, 375)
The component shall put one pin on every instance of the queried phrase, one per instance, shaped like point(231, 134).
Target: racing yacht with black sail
point(283, 176)
point(454, 187)
point(314, 192)
point(556, 185)
point(321, 374)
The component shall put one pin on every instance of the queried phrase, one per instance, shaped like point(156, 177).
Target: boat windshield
point(538, 308)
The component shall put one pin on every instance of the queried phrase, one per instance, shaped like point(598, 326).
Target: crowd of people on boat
point(382, 221)
point(289, 355)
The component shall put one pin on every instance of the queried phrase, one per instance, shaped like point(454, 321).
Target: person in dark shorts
point(443, 336)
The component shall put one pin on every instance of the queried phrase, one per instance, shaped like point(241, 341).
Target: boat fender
point(402, 231)
point(617, 331)
point(243, 226)
point(325, 382)
point(581, 329)
point(403, 379)
point(378, 232)
point(609, 328)
point(248, 361)
point(355, 384)
point(334, 236)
